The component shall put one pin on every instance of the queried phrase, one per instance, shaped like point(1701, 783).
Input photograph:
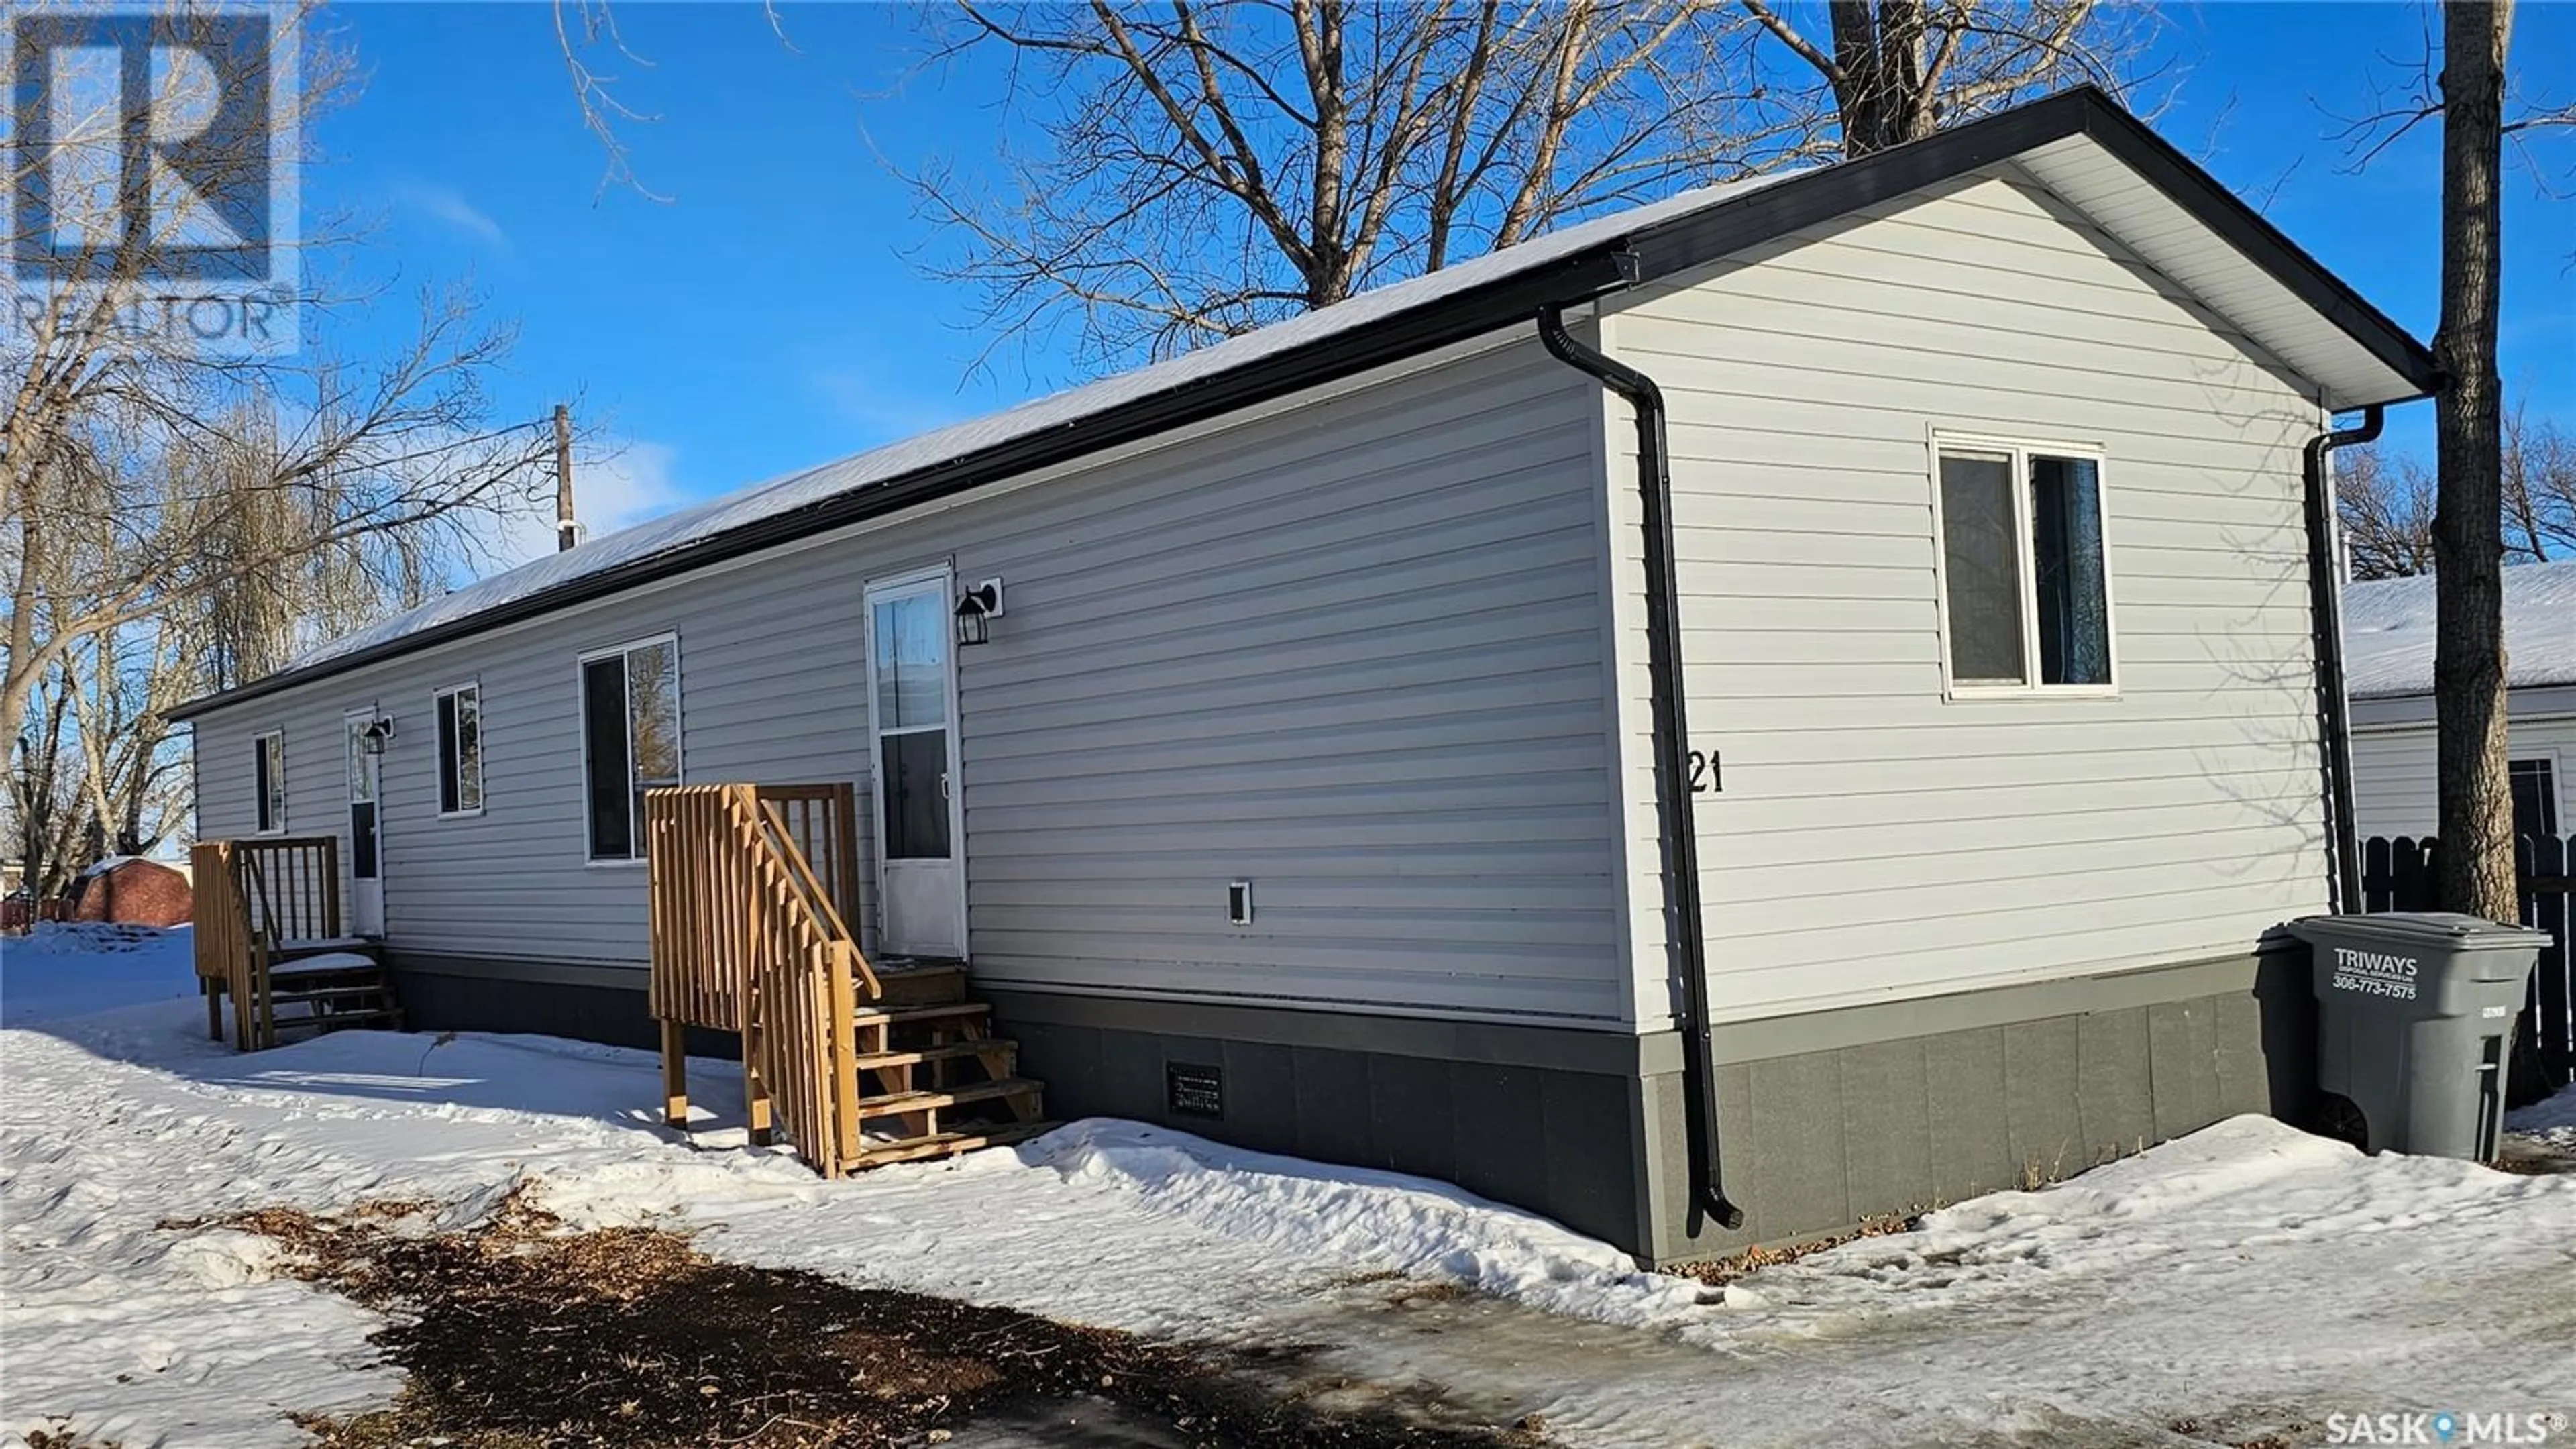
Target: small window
point(460, 750)
point(268, 780)
point(2026, 589)
point(630, 722)
point(2535, 797)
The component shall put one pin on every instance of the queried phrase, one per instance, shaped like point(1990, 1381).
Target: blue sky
point(771, 313)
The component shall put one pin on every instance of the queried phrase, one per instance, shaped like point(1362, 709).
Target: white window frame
point(438, 752)
point(679, 739)
point(2022, 450)
point(2558, 794)
point(277, 777)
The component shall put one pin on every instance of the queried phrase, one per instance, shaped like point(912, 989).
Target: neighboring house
point(133, 891)
point(2388, 648)
point(1306, 793)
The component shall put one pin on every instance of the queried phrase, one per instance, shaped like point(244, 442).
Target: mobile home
point(1795, 701)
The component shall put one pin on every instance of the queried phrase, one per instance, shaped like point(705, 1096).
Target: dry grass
point(518, 1334)
point(1718, 1272)
point(61, 1436)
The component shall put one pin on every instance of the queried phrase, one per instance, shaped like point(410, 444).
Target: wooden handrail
point(748, 936)
point(816, 897)
point(247, 897)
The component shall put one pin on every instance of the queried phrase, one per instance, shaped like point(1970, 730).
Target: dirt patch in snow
point(1722, 1271)
point(516, 1333)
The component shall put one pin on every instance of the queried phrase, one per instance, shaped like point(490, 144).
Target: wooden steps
point(879, 1153)
point(322, 986)
point(919, 1056)
point(897, 1103)
point(857, 1059)
point(933, 1079)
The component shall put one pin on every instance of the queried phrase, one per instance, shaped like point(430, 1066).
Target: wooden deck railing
point(750, 936)
point(249, 897)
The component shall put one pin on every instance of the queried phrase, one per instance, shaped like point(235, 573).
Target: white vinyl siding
point(1348, 649)
point(1877, 839)
point(2392, 771)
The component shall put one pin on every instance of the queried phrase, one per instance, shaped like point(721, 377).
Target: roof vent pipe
point(1685, 932)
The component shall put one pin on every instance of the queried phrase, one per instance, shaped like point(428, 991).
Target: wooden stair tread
point(284, 994)
point(954, 1051)
point(879, 1152)
point(901, 1102)
point(897, 1016)
point(340, 1018)
point(298, 950)
point(322, 969)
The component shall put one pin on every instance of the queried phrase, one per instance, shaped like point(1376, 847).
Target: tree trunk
point(2477, 871)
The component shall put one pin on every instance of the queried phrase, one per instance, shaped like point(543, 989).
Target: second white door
point(912, 696)
point(366, 829)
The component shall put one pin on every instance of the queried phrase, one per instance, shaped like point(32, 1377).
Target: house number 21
point(1703, 772)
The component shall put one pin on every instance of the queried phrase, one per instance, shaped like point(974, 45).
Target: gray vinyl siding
point(2392, 771)
point(1350, 650)
point(1874, 840)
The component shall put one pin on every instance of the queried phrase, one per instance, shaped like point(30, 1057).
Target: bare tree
point(2385, 508)
point(43, 799)
point(1898, 70)
point(2461, 80)
point(2539, 488)
point(148, 478)
point(1203, 167)
point(2476, 803)
point(2386, 502)
point(1207, 166)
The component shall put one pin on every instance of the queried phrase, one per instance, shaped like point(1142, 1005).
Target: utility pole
point(565, 529)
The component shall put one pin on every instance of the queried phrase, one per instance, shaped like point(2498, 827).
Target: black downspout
point(2325, 607)
point(1684, 928)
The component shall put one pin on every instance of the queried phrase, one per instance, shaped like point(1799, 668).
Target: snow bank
point(74, 968)
point(2247, 1265)
point(2552, 1122)
point(1370, 1220)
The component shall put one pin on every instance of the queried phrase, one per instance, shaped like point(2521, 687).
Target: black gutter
point(2325, 609)
point(1685, 929)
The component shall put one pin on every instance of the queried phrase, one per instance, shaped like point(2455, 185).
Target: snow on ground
point(2552, 1123)
point(2247, 1277)
point(75, 968)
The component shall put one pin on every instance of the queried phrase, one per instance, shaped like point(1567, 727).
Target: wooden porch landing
point(268, 935)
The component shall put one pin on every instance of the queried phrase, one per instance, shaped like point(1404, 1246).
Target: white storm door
point(912, 696)
point(366, 853)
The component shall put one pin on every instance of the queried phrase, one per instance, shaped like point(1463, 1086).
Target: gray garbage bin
point(2415, 1026)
